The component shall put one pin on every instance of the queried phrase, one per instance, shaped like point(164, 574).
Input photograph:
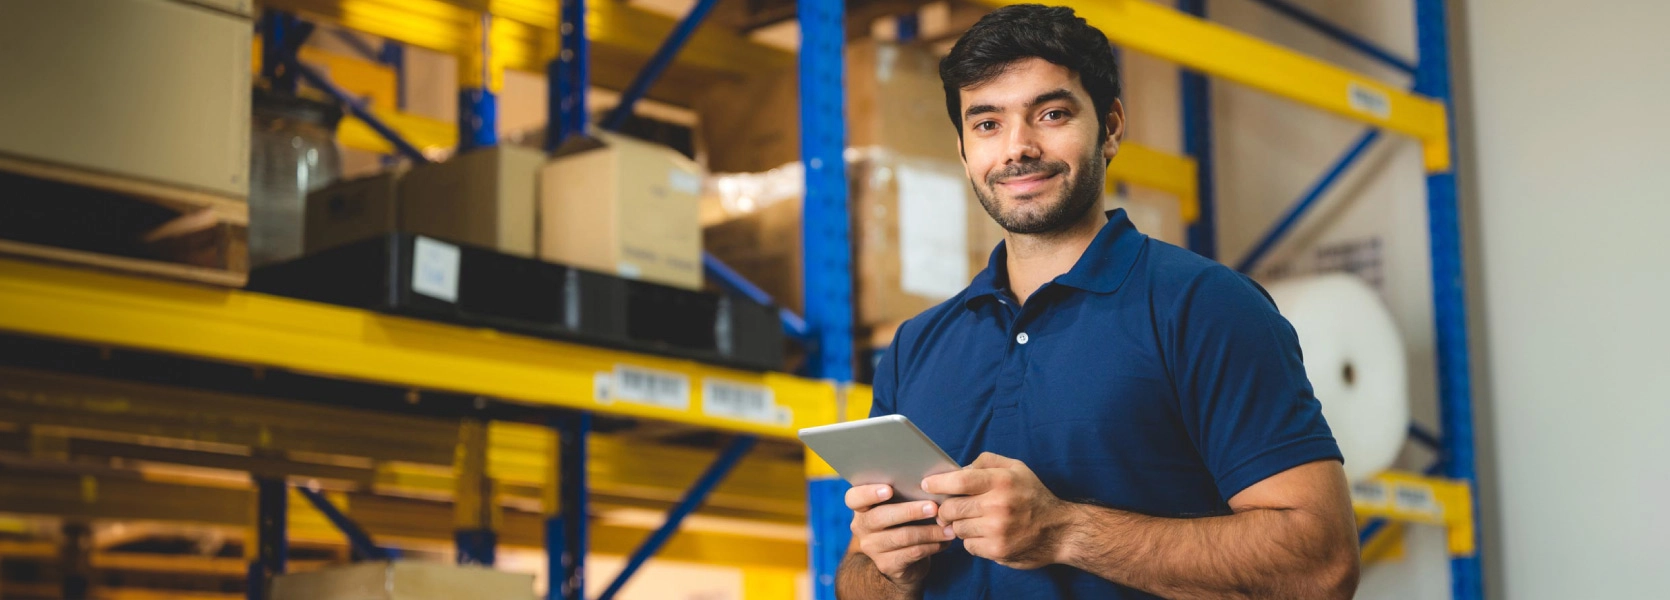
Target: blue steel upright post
point(478, 107)
point(567, 77)
point(1449, 297)
point(1197, 142)
point(825, 235)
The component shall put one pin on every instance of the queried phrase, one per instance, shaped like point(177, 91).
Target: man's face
point(1033, 148)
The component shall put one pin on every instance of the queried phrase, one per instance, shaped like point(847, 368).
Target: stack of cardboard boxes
point(919, 233)
point(609, 203)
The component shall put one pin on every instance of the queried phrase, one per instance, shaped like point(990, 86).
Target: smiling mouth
point(1027, 183)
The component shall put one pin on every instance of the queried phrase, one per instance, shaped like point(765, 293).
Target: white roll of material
point(1355, 361)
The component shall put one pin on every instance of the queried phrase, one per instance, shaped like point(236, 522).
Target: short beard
point(1078, 195)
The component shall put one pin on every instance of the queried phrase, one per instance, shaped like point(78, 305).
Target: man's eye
point(1055, 115)
point(984, 126)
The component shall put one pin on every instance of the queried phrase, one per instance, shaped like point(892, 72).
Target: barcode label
point(435, 269)
point(743, 401)
point(1416, 499)
point(1371, 493)
point(645, 386)
point(1369, 100)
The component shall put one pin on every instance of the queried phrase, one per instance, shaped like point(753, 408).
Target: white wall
point(1572, 175)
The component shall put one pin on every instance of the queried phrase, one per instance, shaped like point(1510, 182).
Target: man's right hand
point(899, 552)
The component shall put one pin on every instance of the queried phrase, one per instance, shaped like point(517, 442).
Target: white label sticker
point(684, 183)
point(1369, 100)
point(1372, 493)
point(435, 269)
point(646, 386)
point(743, 401)
point(1415, 499)
point(933, 232)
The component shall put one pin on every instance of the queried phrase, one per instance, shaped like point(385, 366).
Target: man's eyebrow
point(1060, 94)
point(1046, 97)
point(979, 109)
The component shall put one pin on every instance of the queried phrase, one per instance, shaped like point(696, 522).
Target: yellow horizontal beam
point(256, 329)
point(1166, 33)
point(1411, 498)
point(856, 402)
point(1143, 166)
point(388, 520)
point(524, 34)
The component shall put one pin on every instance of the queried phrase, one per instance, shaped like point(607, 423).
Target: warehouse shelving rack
point(574, 382)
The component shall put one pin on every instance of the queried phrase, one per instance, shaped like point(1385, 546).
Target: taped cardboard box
point(351, 210)
point(894, 100)
point(918, 234)
point(484, 197)
point(619, 205)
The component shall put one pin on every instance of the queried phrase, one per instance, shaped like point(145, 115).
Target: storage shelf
point(260, 330)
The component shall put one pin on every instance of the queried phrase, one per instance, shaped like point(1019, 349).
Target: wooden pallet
point(70, 215)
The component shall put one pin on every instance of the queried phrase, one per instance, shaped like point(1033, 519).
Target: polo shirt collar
point(1101, 269)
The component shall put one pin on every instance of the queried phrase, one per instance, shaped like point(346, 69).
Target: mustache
point(1048, 168)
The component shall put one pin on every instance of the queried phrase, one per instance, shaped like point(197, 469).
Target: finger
point(969, 529)
point(918, 535)
point(959, 508)
point(892, 515)
point(967, 482)
point(862, 497)
point(898, 560)
point(990, 460)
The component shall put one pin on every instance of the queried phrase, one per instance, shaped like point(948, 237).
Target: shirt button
point(1022, 338)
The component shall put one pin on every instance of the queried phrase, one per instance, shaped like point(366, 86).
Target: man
point(1135, 419)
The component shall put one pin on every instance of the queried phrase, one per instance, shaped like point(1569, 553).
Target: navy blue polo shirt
point(1147, 379)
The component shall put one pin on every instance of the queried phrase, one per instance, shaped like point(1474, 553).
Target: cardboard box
point(763, 247)
point(619, 205)
point(920, 234)
point(351, 210)
point(894, 100)
point(403, 580)
point(486, 197)
point(148, 89)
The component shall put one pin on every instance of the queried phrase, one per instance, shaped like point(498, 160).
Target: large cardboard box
point(919, 232)
point(620, 205)
point(155, 90)
point(894, 100)
point(919, 236)
point(486, 197)
point(764, 247)
point(403, 580)
point(351, 210)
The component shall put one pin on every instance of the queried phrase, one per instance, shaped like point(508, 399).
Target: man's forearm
point(1262, 553)
point(859, 579)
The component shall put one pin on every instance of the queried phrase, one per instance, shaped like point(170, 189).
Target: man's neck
point(1034, 260)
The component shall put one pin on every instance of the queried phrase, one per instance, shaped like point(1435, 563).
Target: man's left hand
point(1002, 512)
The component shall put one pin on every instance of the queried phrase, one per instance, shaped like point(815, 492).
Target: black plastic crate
point(422, 277)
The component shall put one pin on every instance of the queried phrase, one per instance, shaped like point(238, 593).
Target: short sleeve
point(1244, 398)
point(886, 385)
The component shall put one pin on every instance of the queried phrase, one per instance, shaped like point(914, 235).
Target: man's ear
point(1115, 129)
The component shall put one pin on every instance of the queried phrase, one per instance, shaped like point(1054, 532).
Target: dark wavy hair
point(1012, 33)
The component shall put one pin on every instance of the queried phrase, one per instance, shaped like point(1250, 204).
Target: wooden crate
point(72, 215)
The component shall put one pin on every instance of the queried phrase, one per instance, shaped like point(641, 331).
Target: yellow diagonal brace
point(1222, 52)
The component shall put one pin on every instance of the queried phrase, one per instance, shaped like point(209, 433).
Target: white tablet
point(888, 450)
